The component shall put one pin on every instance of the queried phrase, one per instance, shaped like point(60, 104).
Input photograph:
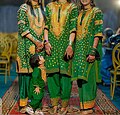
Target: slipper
point(53, 110)
point(29, 110)
point(45, 108)
point(73, 110)
point(63, 111)
point(39, 112)
point(23, 110)
point(87, 112)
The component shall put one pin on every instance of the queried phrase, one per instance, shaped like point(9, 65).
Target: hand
point(39, 45)
point(48, 48)
point(37, 90)
point(69, 52)
point(90, 58)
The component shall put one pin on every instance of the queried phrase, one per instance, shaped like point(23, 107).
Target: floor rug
point(103, 104)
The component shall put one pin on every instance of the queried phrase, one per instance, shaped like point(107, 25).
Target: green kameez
point(36, 81)
point(61, 22)
point(90, 25)
point(27, 23)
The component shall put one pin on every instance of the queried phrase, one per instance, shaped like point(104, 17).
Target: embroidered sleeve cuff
point(25, 33)
point(46, 27)
point(100, 35)
point(73, 30)
point(98, 22)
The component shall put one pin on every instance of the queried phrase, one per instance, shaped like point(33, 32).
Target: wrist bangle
point(32, 38)
point(70, 43)
point(46, 42)
point(93, 51)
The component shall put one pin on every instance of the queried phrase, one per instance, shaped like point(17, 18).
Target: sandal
point(23, 110)
point(45, 108)
point(73, 110)
point(53, 110)
point(87, 111)
point(29, 110)
point(63, 111)
point(38, 112)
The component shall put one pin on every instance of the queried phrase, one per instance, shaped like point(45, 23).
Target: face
point(42, 60)
point(85, 2)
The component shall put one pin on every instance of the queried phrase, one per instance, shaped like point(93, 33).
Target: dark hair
point(57, 0)
point(34, 61)
point(108, 32)
point(28, 2)
point(91, 3)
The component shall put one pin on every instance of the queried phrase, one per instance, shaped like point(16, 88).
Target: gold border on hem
point(54, 101)
point(57, 70)
point(87, 105)
point(64, 103)
point(23, 102)
point(24, 33)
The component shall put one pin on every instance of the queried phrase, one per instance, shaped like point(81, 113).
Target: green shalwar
point(61, 22)
point(89, 26)
point(27, 24)
point(36, 81)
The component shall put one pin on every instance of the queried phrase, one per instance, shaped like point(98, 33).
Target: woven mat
point(103, 104)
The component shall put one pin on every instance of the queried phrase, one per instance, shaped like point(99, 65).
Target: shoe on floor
point(29, 110)
point(23, 110)
point(53, 110)
point(63, 111)
point(87, 112)
point(39, 112)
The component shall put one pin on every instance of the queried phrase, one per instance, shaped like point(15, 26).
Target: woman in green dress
point(30, 34)
point(88, 49)
point(59, 34)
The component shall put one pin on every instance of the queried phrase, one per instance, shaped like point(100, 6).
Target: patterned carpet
point(103, 104)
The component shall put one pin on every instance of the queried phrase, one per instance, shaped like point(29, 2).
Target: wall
point(8, 18)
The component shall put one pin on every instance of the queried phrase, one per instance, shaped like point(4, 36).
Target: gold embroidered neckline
point(87, 9)
point(35, 6)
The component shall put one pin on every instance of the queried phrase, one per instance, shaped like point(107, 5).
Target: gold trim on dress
point(87, 105)
point(54, 101)
point(58, 70)
point(25, 70)
point(20, 69)
point(36, 23)
point(99, 34)
point(43, 73)
point(23, 7)
point(24, 33)
point(98, 10)
point(21, 21)
point(23, 102)
point(64, 103)
point(32, 49)
point(82, 30)
point(74, 29)
point(98, 22)
point(57, 26)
